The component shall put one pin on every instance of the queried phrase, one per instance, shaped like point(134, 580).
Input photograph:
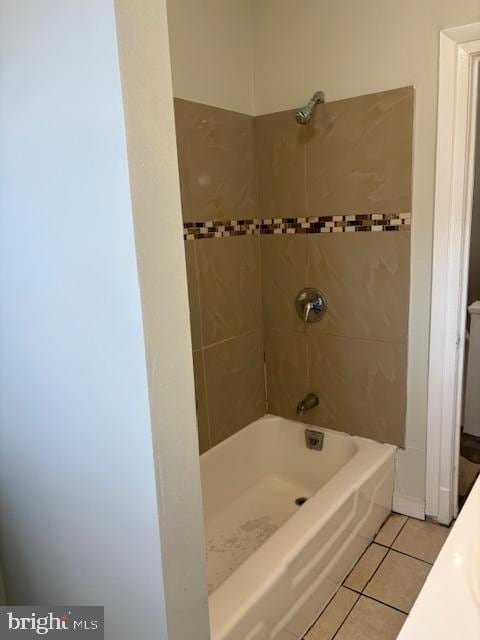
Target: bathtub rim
point(271, 417)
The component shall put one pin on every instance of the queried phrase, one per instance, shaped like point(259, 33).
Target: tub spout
point(310, 401)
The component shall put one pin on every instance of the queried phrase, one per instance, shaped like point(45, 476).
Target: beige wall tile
point(335, 613)
point(217, 162)
point(390, 529)
point(281, 149)
point(284, 264)
point(230, 286)
point(361, 385)
point(193, 295)
point(201, 402)
point(235, 384)
point(286, 368)
point(359, 157)
point(398, 581)
point(183, 118)
point(366, 278)
point(421, 539)
point(370, 620)
point(365, 567)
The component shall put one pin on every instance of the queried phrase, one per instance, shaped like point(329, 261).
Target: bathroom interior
point(297, 190)
point(232, 327)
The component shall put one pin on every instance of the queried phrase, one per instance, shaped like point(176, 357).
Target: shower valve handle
point(313, 305)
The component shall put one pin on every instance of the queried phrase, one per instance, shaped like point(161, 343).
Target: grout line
point(408, 555)
point(348, 613)
point(385, 604)
point(305, 280)
point(343, 336)
point(355, 566)
point(262, 315)
point(391, 548)
point(305, 170)
point(362, 593)
point(399, 532)
point(202, 346)
point(381, 561)
point(322, 612)
point(373, 574)
point(240, 335)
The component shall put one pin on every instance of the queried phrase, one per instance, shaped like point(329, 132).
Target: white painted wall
point(155, 190)
point(78, 506)
point(212, 50)
point(352, 48)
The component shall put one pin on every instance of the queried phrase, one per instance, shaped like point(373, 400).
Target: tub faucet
point(310, 401)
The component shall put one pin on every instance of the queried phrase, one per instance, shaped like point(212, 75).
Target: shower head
point(303, 115)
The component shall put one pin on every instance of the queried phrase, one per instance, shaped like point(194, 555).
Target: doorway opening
point(469, 460)
point(455, 273)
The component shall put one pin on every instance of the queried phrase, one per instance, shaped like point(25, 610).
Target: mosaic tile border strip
point(369, 222)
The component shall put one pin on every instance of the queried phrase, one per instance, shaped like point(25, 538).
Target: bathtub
point(273, 562)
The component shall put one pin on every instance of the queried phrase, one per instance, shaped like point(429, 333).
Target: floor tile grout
point(390, 606)
point(355, 566)
point(399, 531)
point(348, 614)
point(326, 607)
point(380, 564)
point(321, 613)
point(362, 593)
point(373, 574)
point(352, 570)
point(405, 554)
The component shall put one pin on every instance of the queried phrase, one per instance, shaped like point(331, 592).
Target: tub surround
point(227, 340)
point(271, 207)
point(355, 156)
point(217, 162)
point(355, 357)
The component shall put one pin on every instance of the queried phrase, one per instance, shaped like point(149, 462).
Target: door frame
point(457, 109)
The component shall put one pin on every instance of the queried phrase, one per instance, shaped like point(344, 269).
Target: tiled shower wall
point(326, 205)
point(218, 181)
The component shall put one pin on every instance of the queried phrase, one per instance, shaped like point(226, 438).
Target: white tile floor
point(379, 592)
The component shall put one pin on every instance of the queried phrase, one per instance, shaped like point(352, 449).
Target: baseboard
point(409, 506)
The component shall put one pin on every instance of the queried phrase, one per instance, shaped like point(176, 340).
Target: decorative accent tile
point(370, 222)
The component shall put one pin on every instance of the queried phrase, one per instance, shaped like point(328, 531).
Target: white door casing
point(457, 100)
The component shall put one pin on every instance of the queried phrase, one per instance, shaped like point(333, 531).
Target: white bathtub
point(273, 565)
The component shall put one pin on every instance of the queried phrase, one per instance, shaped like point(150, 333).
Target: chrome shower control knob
point(311, 304)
